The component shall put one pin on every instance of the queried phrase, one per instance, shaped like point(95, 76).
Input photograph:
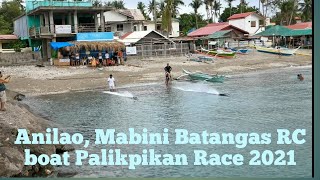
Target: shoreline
point(34, 81)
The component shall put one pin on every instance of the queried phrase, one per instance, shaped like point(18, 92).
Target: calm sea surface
point(259, 102)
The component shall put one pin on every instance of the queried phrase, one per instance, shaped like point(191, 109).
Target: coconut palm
point(152, 8)
point(242, 2)
point(195, 4)
point(207, 4)
point(175, 7)
point(230, 5)
point(142, 7)
point(306, 9)
point(216, 8)
point(167, 16)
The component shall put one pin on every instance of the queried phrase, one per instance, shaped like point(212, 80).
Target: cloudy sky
point(132, 4)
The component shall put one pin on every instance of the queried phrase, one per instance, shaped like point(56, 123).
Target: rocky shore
point(12, 155)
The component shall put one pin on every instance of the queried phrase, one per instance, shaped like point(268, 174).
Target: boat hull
point(282, 52)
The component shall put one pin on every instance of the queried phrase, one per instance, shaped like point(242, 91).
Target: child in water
point(300, 77)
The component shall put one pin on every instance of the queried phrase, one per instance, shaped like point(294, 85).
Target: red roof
point(304, 25)
point(125, 35)
point(240, 16)
point(8, 37)
point(209, 29)
point(212, 28)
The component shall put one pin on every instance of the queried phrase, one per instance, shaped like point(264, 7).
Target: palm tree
point(230, 5)
point(242, 2)
point(161, 7)
point(142, 8)
point(176, 4)
point(306, 9)
point(167, 16)
point(152, 8)
point(116, 4)
point(216, 8)
point(195, 4)
point(207, 4)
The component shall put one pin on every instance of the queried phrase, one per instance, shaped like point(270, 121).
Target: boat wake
point(196, 87)
point(122, 94)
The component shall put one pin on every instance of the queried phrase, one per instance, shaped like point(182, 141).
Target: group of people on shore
point(106, 59)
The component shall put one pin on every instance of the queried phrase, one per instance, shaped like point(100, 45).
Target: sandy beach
point(33, 81)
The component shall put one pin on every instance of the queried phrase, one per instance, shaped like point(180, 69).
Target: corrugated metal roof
point(138, 35)
point(304, 25)
point(219, 34)
point(8, 37)
point(241, 15)
point(132, 13)
point(275, 31)
point(209, 29)
point(299, 32)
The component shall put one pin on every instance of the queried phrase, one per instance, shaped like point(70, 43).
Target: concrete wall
point(245, 23)
point(19, 58)
point(112, 16)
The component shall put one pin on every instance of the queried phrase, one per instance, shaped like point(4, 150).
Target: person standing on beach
point(111, 82)
point(3, 97)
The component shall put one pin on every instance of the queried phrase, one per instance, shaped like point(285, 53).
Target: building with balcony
point(58, 21)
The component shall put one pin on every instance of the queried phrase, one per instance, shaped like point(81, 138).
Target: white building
point(130, 20)
point(250, 22)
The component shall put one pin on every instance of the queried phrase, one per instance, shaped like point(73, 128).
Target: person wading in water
point(167, 70)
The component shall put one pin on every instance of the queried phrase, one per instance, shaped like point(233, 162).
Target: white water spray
point(195, 87)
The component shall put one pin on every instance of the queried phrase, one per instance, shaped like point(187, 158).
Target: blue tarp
point(95, 36)
point(58, 45)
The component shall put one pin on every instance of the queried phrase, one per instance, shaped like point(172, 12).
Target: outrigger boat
point(219, 53)
point(280, 51)
point(198, 76)
point(240, 51)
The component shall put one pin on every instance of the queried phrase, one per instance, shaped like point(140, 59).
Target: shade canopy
point(275, 31)
point(219, 34)
point(58, 45)
point(299, 32)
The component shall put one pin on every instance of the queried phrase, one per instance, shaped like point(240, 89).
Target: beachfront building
point(57, 21)
point(251, 22)
point(152, 44)
point(301, 34)
point(218, 34)
point(5, 41)
point(124, 20)
point(129, 20)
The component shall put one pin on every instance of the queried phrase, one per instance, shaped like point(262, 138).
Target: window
point(134, 28)
point(159, 27)
point(253, 23)
point(108, 29)
point(119, 27)
point(145, 28)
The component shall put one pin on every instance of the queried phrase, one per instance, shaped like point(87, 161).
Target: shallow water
point(258, 102)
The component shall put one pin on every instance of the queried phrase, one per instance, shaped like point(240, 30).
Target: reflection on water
point(258, 102)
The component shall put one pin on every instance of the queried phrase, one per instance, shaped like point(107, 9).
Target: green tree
point(8, 11)
point(230, 6)
point(236, 10)
point(167, 17)
point(207, 5)
point(152, 8)
point(187, 22)
point(116, 4)
point(216, 7)
point(306, 9)
point(142, 7)
point(175, 8)
point(195, 4)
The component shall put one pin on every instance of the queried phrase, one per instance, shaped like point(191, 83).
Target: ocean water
point(259, 102)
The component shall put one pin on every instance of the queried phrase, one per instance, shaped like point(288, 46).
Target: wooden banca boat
point(278, 50)
point(240, 51)
point(219, 53)
point(199, 76)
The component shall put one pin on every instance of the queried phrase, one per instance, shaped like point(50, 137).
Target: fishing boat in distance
point(218, 52)
point(278, 50)
point(199, 76)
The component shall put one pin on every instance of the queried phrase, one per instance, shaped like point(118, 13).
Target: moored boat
point(278, 51)
point(198, 76)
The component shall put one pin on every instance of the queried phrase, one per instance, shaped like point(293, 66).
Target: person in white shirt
point(111, 82)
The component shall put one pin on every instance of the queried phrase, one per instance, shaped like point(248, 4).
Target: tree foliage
point(116, 4)
point(8, 11)
point(187, 22)
point(142, 7)
point(236, 10)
